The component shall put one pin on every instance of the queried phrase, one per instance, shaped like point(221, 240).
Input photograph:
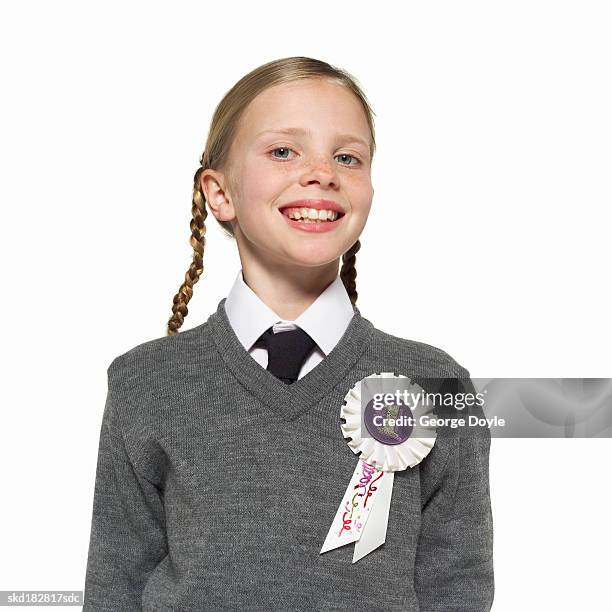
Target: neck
point(286, 288)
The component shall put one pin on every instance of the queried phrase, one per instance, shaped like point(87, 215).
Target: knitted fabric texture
point(216, 485)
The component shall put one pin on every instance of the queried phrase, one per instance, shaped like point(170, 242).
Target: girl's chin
point(312, 257)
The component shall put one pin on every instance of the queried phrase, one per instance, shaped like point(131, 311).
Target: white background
point(489, 234)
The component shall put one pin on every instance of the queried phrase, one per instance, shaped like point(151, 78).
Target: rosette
point(385, 431)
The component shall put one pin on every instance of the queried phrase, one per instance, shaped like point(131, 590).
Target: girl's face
point(299, 146)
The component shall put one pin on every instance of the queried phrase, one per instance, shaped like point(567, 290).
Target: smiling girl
point(221, 459)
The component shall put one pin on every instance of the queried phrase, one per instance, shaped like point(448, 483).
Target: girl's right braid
point(348, 272)
point(197, 241)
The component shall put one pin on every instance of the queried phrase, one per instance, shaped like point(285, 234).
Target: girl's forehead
point(304, 106)
point(300, 95)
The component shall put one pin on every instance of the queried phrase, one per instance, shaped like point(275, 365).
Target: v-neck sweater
point(216, 485)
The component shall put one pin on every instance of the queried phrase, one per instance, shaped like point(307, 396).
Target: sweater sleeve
point(454, 560)
point(128, 536)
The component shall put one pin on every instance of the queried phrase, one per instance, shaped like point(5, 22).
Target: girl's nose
point(321, 170)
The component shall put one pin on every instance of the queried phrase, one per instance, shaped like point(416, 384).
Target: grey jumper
point(217, 483)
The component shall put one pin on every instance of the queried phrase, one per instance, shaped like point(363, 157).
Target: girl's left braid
point(348, 272)
point(197, 241)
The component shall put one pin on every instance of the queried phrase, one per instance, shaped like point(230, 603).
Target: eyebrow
point(300, 131)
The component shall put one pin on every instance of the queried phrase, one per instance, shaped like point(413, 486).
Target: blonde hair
point(222, 130)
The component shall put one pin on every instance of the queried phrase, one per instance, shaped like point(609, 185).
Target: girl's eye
point(350, 156)
point(285, 150)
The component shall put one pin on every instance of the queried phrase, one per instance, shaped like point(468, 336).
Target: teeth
point(309, 215)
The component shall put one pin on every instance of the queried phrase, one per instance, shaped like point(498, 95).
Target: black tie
point(287, 351)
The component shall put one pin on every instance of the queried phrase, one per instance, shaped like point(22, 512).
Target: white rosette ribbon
point(367, 500)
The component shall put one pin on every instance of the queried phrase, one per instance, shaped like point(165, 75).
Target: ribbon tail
point(375, 531)
point(352, 515)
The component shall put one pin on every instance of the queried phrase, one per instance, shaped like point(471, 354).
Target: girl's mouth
point(312, 219)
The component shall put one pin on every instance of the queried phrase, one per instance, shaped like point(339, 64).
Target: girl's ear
point(212, 184)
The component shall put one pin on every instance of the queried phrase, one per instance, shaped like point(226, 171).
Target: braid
point(197, 241)
point(348, 273)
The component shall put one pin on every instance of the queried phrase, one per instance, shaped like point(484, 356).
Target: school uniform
point(217, 482)
point(325, 320)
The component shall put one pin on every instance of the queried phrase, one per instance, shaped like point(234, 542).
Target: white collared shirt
point(325, 320)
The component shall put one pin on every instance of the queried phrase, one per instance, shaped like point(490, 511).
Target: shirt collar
point(325, 320)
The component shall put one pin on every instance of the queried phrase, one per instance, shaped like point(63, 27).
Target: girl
point(221, 460)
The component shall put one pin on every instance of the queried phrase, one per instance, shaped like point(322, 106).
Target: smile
point(311, 215)
point(312, 220)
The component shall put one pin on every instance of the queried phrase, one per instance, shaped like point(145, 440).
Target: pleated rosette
point(383, 449)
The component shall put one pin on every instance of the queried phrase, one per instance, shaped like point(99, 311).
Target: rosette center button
point(389, 424)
